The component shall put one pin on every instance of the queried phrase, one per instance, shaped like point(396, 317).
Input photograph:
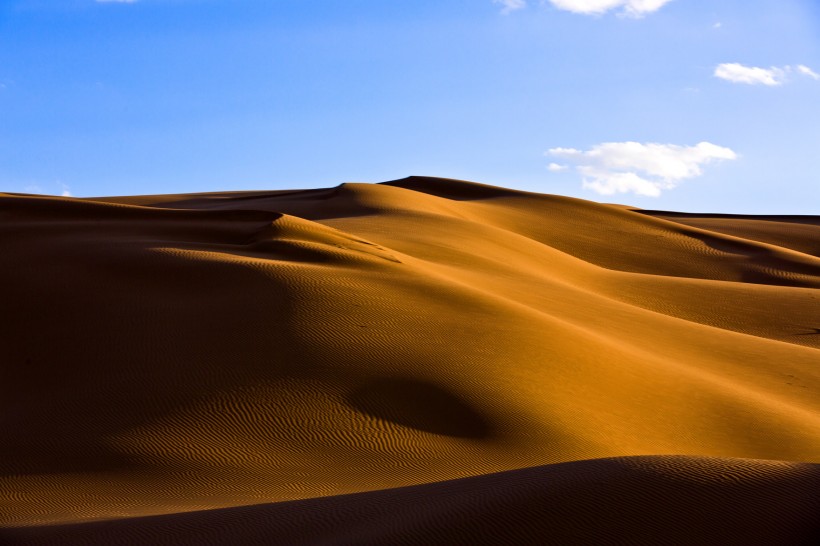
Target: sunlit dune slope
point(643, 500)
point(167, 354)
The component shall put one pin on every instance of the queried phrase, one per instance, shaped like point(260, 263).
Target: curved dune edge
point(649, 500)
point(168, 354)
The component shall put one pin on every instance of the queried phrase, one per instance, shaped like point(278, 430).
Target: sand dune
point(180, 353)
point(650, 500)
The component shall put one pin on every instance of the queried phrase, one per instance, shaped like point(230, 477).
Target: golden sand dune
point(168, 354)
point(649, 500)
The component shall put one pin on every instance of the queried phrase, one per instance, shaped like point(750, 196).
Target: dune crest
point(180, 353)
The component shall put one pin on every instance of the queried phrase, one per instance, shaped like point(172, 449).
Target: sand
point(420, 361)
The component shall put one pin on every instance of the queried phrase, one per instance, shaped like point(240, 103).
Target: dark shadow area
point(457, 190)
point(649, 500)
point(248, 200)
point(420, 405)
point(762, 263)
point(320, 204)
point(763, 277)
point(794, 219)
point(730, 246)
point(103, 334)
point(797, 233)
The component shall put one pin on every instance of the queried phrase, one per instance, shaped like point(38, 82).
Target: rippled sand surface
point(421, 361)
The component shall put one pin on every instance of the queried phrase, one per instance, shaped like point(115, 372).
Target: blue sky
point(694, 105)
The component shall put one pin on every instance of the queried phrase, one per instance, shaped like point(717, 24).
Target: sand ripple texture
point(633, 500)
point(178, 357)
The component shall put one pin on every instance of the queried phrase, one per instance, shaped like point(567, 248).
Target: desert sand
point(423, 361)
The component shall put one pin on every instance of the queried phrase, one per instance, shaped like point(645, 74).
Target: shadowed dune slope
point(648, 500)
point(801, 233)
point(179, 353)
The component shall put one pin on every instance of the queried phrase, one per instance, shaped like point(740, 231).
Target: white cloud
point(631, 8)
point(511, 5)
point(752, 75)
point(806, 71)
point(555, 167)
point(66, 191)
point(643, 169)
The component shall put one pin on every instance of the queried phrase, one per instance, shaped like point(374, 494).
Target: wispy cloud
point(755, 75)
point(630, 8)
point(751, 75)
point(556, 167)
point(508, 6)
point(806, 71)
point(37, 189)
point(643, 169)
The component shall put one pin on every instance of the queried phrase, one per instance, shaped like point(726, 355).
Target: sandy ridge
point(174, 353)
point(645, 500)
